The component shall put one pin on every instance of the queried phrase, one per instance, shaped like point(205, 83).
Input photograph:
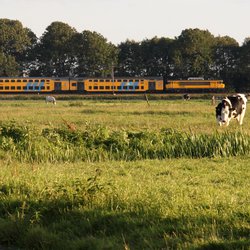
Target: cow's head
point(223, 112)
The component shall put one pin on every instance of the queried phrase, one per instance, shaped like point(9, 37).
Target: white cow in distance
point(50, 99)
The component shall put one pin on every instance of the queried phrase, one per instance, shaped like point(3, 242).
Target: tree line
point(63, 52)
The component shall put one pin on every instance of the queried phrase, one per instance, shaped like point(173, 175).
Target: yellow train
point(106, 85)
point(195, 85)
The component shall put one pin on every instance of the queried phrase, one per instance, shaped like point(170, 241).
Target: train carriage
point(198, 85)
point(123, 85)
point(25, 85)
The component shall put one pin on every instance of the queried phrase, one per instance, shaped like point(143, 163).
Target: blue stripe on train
point(128, 85)
point(30, 86)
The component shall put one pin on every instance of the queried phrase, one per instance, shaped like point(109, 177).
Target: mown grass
point(198, 115)
point(170, 204)
point(120, 174)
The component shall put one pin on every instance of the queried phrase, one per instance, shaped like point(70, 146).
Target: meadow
point(122, 174)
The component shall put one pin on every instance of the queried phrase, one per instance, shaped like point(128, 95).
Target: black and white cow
point(186, 97)
point(231, 107)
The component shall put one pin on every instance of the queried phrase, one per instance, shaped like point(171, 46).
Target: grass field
point(120, 174)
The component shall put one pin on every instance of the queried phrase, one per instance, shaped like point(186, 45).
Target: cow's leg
point(241, 117)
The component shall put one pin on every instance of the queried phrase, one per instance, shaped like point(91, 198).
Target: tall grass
point(97, 143)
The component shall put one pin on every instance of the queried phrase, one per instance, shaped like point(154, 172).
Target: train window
point(96, 80)
point(119, 87)
point(47, 80)
point(36, 80)
point(25, 87)
point(74, 84)
point(101, 80)
point(131, 87)
point(24, 80)
point(119, 80)
point(101, 87)
point(19, 80)
point(136, 87)
point(30, 87)
point(12, 87)
point(1, 87)
point(125, 80)
point(90, 80)
point(42, 87)
point(18, 87)
point(36, 87)
point(95, 87)
point(42, 80)
point(142, 87)
point(125, 87)
point(7, 81)
point(12, 80)
point(107, 80)
point(47, 87)
point(1, 80)
point(107, 87)
point(30, 80)
point(90, 87)
point(7, 87)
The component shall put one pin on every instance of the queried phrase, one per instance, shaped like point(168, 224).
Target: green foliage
point(14, 38)
point(55, 51)
point(8, 65)
point(95, 54)
point(15, 41)
point(97, 143)
point(193, 53)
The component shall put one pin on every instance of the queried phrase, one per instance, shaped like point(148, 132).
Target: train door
point(151, 86)
point(80, 86)
point(58, 86)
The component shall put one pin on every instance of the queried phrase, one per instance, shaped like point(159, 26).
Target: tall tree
point(15, 40)
point(95, 55)
point(55, 50)
point(193, 53)
point(130, 59)
point(225, 59)
point(242, 78)
point(156, 56)
point(8, 65)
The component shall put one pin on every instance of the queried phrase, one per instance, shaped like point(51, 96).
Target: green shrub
point(97, 143)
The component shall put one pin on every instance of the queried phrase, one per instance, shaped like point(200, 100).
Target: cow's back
point(237, 103)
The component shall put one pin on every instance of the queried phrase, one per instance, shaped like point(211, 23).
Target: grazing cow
point(50, 99)
point(231, 107)
point(186, 97)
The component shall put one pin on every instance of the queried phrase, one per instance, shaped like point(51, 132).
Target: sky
point(119, 20)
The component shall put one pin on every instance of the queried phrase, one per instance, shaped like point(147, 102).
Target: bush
point(97, 143)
